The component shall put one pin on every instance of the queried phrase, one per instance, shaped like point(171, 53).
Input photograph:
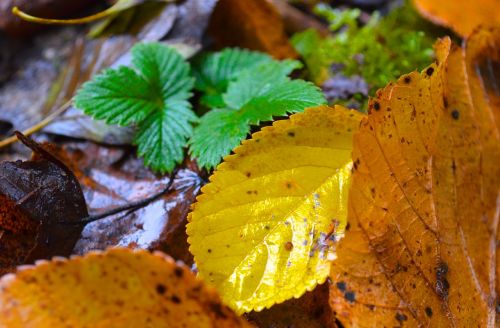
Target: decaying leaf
point(40, 200)
point(260, 230)
point(117, 288)
point(462, 16)
point(311, 310)
point(255, 25)
point(422, 248)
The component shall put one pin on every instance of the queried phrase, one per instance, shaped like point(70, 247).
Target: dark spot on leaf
point(348, 226)
point(350, 296)
point(428, 311)
point(178, 272)
point(209, 250)
point(407, 79)
point(376, 106)
point(455, 114)
point(288, 246)
point(429, 71)
point(401, 317)
point(161, 289)
point(248, 174)
point(291, 134)
point(175, 299)
point(341, 285)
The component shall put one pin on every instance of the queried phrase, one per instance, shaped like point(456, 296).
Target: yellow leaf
point(260, 230)
point(424, 205)
point(117, 288)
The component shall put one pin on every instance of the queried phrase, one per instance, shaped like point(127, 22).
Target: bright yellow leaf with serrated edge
point(261, 231)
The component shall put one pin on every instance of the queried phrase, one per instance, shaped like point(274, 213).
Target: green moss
point(380, 51)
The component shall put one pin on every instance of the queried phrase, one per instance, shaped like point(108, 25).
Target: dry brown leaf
point(422, 247)
point(462, 16)
point(254, 24)
point(117, 288)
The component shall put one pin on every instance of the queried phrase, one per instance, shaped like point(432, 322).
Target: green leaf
point(256, 95)
point(162, 136)
point(219, 131)
point(213, 72)
point(117, 96)
point(154, 96)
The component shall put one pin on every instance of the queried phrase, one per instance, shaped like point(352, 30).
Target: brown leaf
point(112, 177)
point(117, 288)
point(311, 310)
point(253, 24)
point(424, 205)
point(462, 16)
point(38, 200)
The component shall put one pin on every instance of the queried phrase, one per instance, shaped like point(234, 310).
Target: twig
point(131, 207)
point(37, 127)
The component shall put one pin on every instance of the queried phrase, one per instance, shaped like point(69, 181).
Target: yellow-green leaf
point(261, 230)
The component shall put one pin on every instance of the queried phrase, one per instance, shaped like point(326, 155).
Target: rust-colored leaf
point(255, 25)
point(422, 246)
point(40, 202)
point(117, 288)
point(462, 16)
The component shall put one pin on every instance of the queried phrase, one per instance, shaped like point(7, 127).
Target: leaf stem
point(37, 127)
point(131, 207)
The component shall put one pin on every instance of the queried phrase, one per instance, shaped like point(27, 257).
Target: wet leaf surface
point(111, 177)
point(422, 245)
point(40, 202)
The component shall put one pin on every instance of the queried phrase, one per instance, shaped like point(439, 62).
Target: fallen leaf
point(462, 16)
point(41, 201)
point(255, 25)
point(260, 230)
point(422, 247)
point(117, 288)
point(112, 177)
point(311, 310)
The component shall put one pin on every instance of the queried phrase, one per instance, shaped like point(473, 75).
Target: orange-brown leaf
point(118, 288)
point(425, 198)
point(255, 25)
point(462, 16)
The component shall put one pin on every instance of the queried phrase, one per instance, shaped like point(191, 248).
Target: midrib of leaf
point(253, 251)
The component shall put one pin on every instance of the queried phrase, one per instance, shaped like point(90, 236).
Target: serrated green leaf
point(256, 95)
point(161, 138)
point(117, 96)
point(213, 72)
point(164, 69)
point(258, 81)
point(218, 133)
point(154, 96)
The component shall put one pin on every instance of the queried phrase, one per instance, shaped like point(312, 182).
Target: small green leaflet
point(255, 95)
point(154, 96)
point(215, 71)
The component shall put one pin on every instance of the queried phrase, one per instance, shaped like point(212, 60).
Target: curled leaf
point(117, 288)
point(38, 199)
point(422, 248)
point(260, 231)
